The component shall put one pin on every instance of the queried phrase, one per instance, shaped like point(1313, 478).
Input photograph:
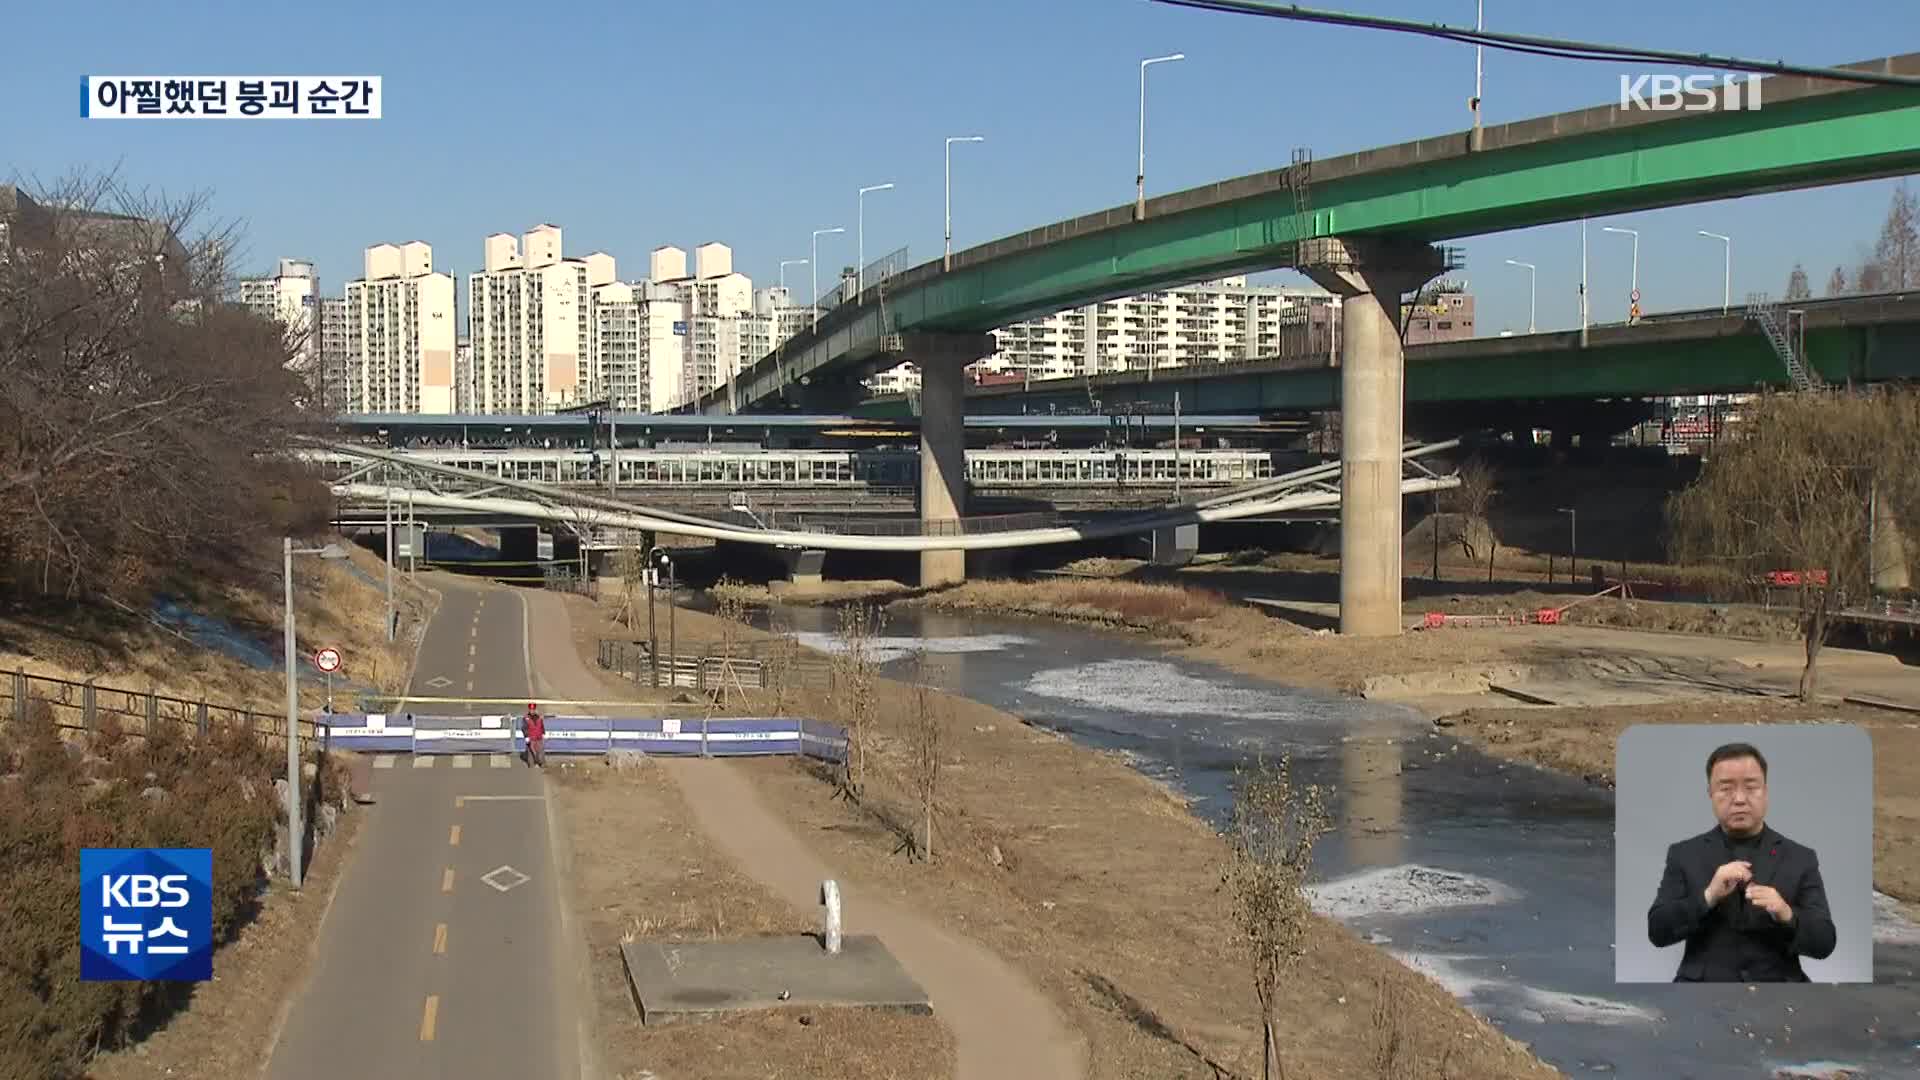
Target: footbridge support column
point(942, 359)
point(1370, 276)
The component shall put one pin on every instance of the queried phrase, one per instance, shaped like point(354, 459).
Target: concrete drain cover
point(505, 878)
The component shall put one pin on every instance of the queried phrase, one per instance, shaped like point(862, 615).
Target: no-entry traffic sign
point(327, 660)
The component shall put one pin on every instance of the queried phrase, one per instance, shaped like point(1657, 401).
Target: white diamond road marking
point(439, 682)
point(384, 761)
point(422, 762)
point(463, 761)
point(509, 878)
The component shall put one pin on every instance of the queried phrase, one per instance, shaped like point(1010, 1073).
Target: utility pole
point(388, 471)
point(1176, 445)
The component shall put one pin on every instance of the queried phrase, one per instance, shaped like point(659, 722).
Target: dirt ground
point(1581, 741)
point(342, 606)
point(1105, 890)
point(230, 1025)
point(675, 885)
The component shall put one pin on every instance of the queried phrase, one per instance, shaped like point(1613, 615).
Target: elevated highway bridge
point(1363, 225)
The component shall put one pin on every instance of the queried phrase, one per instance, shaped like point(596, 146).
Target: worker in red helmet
point(535, 729)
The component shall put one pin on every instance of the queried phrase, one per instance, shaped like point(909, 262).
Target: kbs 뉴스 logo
point(146, 914)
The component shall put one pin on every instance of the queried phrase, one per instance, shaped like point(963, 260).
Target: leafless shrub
point(856, 671)
point(1271, 836)
point(924, 730)
point(1798, 488)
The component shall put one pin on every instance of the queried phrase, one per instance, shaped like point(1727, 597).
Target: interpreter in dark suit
point(1748, 902)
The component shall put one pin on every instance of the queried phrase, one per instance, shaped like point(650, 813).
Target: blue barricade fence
point(732, 736)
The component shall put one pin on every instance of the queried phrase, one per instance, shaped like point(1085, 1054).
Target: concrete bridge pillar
point(803, 565)
point(1370, 277)
point(942, 359)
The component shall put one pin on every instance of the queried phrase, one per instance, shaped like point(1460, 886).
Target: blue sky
point(753, 123)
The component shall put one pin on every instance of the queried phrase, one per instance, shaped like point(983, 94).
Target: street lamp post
point(1140, 177)
point(784, 263)
point(860, 245)
point(1533, 291)
point(288, 551)
point(1635, 285)
point(813, 269)
point(1726, 280)
point(946, 256)
point(1479, 68)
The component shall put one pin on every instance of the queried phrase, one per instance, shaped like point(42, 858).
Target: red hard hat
point(531, 707)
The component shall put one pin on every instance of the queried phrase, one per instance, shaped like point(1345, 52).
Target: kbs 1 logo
point(146, 914)
point(1689, 93)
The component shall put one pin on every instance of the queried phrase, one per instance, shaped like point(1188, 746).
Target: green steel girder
point(1802, 143)
point(1733, 363)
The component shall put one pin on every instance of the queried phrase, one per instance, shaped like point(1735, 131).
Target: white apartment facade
point(400, 334)
point(333, 353)
point(531, 325)
point(290, 298)
point(1215, 322)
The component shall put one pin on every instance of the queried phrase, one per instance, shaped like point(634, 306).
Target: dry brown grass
point(1184, 612)
point(677, 886)
point(1102, 888)
point(334, 607)
point(1581, 741)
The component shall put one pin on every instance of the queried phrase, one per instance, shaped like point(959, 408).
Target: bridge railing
point(879, 270)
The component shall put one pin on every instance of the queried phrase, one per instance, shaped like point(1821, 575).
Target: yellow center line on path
point(453, 837)
point(440, 939)
point(446, 880)
point(427, 1017)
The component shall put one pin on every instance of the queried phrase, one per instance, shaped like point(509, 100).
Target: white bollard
point(830, 896)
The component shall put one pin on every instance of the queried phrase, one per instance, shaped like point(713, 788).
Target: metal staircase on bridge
point(1773, 323)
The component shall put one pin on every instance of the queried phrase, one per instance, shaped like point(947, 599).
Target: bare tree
point(1467, 506)
point(1794, 490)
point(856, 673)
point(1897, 253)
point(1271, 836)
point(924, 732)
point(141, 416)
point(1797, 287)
point(1837, 283)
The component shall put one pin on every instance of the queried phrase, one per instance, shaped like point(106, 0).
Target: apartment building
point(1216, 322)
point(640, 331)
point(531, 326)
point(332, 355)
point(399, 333)
point(289, 297)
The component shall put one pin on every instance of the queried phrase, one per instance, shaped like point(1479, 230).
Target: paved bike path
point(424, 970)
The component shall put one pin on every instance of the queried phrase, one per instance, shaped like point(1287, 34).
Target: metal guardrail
point(87, 706)
point(751, 669)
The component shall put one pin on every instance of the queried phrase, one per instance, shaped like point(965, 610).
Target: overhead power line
point(1545, 46)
